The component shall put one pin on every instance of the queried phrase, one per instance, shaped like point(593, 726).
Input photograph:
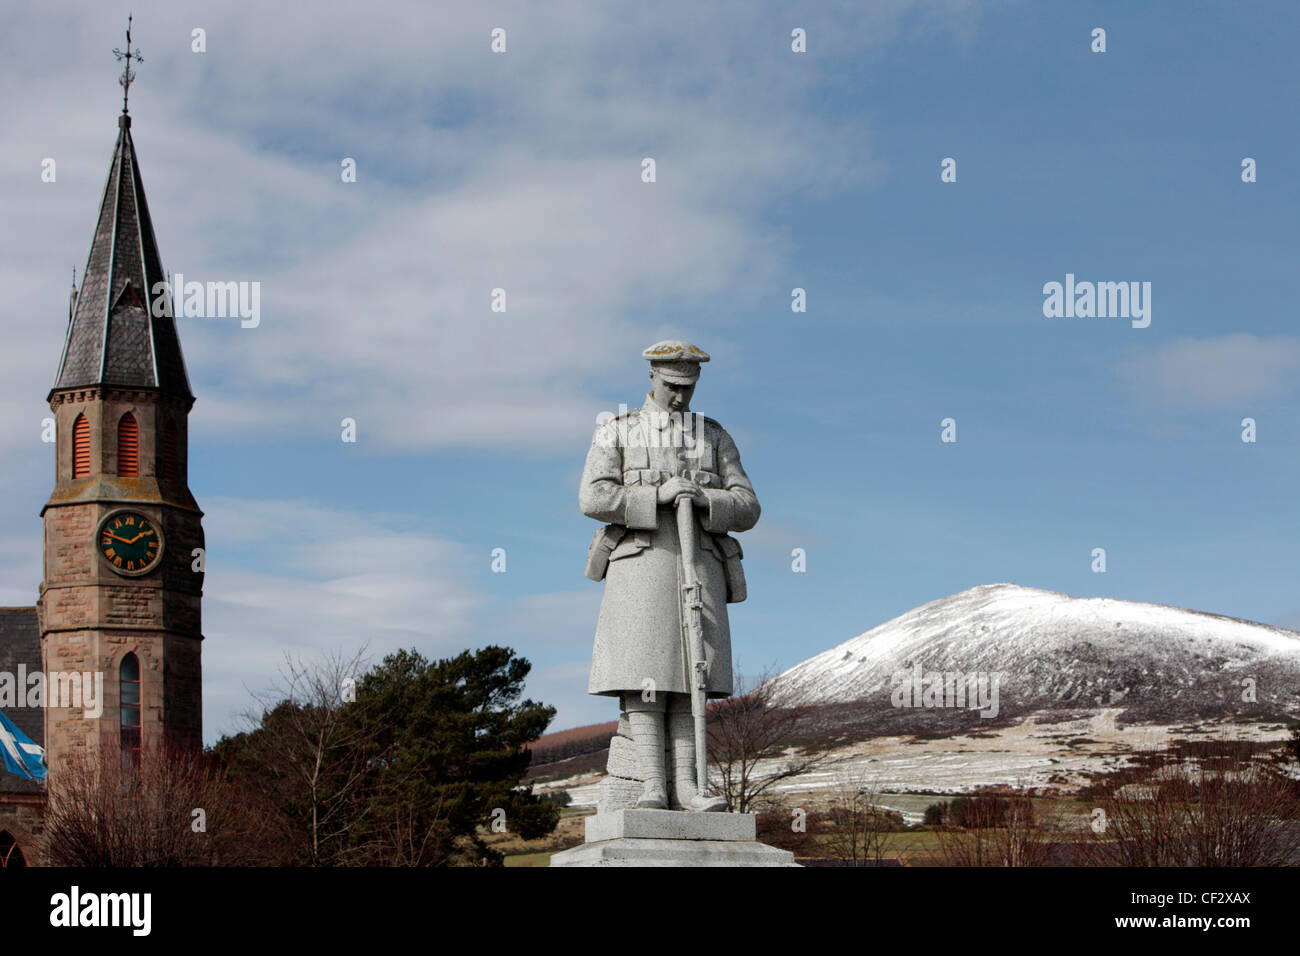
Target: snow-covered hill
point(1052, 652)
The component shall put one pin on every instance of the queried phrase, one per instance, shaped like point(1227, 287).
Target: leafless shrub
point(748, 728)
point(797, 829)
point(306, 749)
point(1222, 808)
point(173, 808)
point(997, 831)
point(858, 831)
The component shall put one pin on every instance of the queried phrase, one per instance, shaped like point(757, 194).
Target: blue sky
point(775, 170)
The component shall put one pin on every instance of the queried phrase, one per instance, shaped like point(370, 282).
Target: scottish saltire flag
point(20, 755)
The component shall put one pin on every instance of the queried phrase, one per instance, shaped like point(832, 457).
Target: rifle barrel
point(697, 663)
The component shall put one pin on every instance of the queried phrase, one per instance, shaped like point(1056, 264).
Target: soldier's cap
point(678, 361)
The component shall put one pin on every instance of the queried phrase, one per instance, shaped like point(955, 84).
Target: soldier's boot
point(646, 721)
point(681, 730)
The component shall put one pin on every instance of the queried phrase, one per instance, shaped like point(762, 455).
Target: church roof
point(113, 337)
point(20, 643)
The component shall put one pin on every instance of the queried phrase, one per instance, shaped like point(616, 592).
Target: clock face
point(130, 542)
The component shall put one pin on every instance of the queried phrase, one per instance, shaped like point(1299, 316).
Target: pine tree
point(405, 770)
point(448, 741)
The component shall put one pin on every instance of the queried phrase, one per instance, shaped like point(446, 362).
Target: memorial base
point(672, 838)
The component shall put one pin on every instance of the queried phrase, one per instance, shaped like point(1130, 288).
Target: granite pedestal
point(672, 838)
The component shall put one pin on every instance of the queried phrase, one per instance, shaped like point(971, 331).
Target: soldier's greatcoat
point(639, 635)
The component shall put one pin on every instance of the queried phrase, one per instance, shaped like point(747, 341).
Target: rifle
point(697, 667)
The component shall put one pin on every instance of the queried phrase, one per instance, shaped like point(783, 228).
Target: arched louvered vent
point(128, 447)
point(170, 462)
point(81, 447)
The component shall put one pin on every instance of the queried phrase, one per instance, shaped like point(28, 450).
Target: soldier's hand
point(674, 488)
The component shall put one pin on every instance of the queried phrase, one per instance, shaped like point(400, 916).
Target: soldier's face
point(671, 395)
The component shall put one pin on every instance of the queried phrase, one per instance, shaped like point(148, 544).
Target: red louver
point(81, 447)
point(128, 447)
point(170, 466)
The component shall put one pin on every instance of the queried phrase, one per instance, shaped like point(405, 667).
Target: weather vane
point(128, 54)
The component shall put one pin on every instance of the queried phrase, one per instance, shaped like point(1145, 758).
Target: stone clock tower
point(123, 583)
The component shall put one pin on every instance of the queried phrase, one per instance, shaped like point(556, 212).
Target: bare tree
point(1224, 808)
point(997, 831)
point(307, 750)
point(747, 729)
point(172, 808)
point(860, 828)
point(400, 765)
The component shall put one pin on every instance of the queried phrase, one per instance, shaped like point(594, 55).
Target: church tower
point(123, 570)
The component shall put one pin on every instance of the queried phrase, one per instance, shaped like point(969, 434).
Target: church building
point(123, 536)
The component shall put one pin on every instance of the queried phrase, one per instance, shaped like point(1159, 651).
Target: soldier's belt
point(723, 546)
point(654, 478)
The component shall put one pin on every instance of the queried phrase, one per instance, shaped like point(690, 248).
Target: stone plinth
point(670, 825)
point(672, 838)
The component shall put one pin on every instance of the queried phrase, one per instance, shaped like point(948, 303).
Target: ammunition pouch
point(727, 550)
point(604, 541)
point(732, 556)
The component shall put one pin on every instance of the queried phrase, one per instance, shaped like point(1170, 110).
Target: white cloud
point(326, 579)
point(475, 171)
point(1228, 370)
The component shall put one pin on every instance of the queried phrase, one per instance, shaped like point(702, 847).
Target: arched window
point(11, 854)
point(81, 447)
point(129, 686)
point(170, 462)
point(128, 447)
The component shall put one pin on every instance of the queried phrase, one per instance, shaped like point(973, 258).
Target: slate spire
point(113, 337)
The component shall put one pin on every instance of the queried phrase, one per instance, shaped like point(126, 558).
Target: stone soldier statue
point(639, 465)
